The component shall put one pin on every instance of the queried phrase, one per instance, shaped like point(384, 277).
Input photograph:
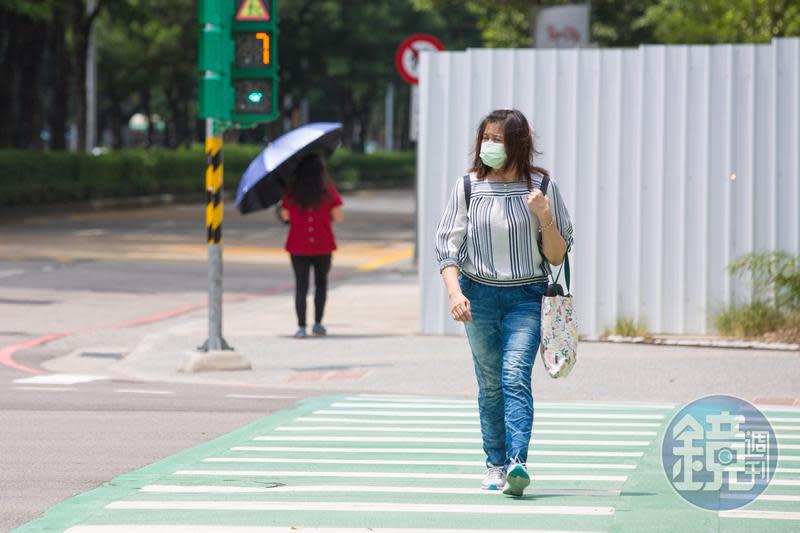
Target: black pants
point(302, 265)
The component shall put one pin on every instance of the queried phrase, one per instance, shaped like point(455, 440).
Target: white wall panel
point(642, 143)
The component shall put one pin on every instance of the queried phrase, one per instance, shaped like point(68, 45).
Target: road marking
point(385, 259)
point(364, 507)
point(143, 391)
point(447, 414)
point(462, 430)
point(9, 273)
point(346, 489)
point(59, 379)
point(786, 428)
point(776, 497)
point(44, 388)
point(537, 404)
point(163, 528)
point(446, 440)
point(793, 458)
point(384, 475)
point(261, 397)
point(786, 482)
point(774, 482)
point(763, 497)
point(94, 232)
point(473, 422)
point(477, 464)
point(397, 405)
point(771, 515)
point(442, 451)
point(773, 419)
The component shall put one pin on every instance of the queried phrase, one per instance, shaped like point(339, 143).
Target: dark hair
point(518, 141)
point(308, 188)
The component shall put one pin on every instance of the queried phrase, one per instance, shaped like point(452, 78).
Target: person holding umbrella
point(291, 171)
point(310, 206)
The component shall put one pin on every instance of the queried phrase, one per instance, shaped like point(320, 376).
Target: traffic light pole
point(215, 353)
point(214, 214)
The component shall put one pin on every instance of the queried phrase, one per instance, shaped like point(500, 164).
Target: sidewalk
point(374, 345)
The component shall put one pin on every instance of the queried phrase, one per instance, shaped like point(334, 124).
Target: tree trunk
point(82, 27)
point(116, 120)
point(148, 112)
point(59, 87)
point(173, 102)
point(30, 67)
point(9, 51)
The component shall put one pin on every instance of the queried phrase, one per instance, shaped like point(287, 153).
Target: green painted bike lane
point(645, 502)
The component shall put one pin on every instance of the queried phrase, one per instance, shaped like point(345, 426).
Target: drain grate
point(105, 355)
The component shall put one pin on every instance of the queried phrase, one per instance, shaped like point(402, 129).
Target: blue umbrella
point(264, 181)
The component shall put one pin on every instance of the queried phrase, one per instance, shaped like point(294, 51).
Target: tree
point(722, 21)
point(341, 57)
point(508, 23)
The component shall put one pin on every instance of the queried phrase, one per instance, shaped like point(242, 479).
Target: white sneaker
point(517, 479)
point(495, 478)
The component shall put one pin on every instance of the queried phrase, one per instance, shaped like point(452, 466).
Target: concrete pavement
point(374, 345)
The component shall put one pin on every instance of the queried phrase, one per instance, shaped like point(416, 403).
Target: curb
point(696, 343)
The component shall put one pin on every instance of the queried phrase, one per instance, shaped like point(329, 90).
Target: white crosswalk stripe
point(342, 465)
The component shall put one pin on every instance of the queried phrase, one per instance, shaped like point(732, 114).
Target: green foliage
point(775, 277)
point(627, 327)
point(722, 21)
point(378, 169)
point(614, 22)
point(507, 23)
point(750, 320)
point(29, 179)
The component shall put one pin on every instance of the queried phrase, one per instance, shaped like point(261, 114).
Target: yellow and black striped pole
point(214, 204)
point(214, 354)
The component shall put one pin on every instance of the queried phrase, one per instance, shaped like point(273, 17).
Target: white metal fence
point(644, 144)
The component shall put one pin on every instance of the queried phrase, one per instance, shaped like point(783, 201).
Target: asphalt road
point(68, 271)
point(109, 279)
point(59, 441)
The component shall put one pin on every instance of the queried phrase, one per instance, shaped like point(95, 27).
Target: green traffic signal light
point(255, 97)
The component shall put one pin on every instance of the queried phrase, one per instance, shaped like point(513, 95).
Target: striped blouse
point(497, 242)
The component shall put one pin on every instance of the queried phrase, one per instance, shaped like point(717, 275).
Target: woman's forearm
point(553, 244)
point(450, 277)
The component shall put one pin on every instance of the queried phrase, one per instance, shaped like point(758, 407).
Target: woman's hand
point(539, 204)
point(460, 308)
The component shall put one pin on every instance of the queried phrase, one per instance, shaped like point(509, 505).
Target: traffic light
point(238, 55)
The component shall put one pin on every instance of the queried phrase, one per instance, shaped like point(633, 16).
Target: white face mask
point(493, 154)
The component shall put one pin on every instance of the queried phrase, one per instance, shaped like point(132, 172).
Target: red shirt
point(310, 230)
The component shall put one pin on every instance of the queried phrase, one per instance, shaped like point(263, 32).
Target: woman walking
point(493, 255)
point(310, 205)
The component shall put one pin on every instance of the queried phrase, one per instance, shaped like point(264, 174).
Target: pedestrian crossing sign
point(252, 10)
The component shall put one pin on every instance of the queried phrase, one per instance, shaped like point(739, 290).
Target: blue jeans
point(504, 336)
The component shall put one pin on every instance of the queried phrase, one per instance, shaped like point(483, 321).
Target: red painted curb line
point(7, 353)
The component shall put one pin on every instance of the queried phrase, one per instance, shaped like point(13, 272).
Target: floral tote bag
point(559, 341)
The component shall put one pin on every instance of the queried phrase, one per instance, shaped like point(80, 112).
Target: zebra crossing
point(391, 464)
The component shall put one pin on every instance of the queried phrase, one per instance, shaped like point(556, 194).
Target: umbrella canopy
point(264, 181)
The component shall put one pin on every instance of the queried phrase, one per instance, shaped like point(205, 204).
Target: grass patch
point(774, 313)
point(749, 320)
point(627, 327)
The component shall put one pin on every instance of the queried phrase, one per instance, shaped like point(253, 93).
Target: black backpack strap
point(564, 264)
point(467, 188)
point(545, 184)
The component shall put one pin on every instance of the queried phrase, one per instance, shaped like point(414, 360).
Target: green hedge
point(31, 178)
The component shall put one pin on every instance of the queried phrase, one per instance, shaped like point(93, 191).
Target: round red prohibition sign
point(406, 59)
